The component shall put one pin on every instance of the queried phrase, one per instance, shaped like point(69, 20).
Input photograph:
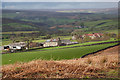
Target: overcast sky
point(60, 0)
point(58, 5)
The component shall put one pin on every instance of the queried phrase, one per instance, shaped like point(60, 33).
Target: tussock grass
point(104, 65)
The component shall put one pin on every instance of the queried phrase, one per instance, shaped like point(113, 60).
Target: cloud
point(60, 0)
point(58, 5)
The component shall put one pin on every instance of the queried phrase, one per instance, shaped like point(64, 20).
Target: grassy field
point(56, 54)
point(18, 32)
point(114, 31)
point(10, 15)
point(81, 44)
point(104, 65)
point(6, 42)
point(61, 37)
point(40, 41)
point(100, 23)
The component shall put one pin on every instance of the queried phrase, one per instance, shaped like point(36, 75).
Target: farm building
point(35, 44)
point(74, 37)
point(68, 42)
point(92, 36)
point(52, 42)
point(58, 42)
point(16, 46)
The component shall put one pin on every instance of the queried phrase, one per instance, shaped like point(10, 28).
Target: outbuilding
point(16, 46)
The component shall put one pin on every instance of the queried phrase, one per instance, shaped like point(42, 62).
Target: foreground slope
point(54, 53)
point(100, 65)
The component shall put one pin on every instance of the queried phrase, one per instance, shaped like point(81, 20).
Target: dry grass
point(100, 66)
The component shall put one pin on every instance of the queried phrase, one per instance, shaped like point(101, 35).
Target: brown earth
point(100, 65)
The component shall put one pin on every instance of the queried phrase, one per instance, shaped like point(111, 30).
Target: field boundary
point(75, 46)
point(99, 50)
point(66, 47)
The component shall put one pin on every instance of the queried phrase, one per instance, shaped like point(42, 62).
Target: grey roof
point(52, 40)
point(68, 42)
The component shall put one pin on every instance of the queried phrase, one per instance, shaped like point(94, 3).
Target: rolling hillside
point(37, 20)
point(103, 64)
point(18, 25)
point(53, 53)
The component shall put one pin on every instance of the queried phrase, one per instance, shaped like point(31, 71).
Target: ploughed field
point(103, 64)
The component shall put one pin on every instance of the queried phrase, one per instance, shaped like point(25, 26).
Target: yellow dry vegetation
point(100, 65)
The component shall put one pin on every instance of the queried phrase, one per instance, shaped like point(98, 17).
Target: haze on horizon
point(58, 5)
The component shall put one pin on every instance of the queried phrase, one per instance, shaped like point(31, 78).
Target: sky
point(60, 0)
point(58, 5)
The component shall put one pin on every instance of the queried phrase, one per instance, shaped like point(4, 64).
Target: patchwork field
point(56, 54)
point(100, 23)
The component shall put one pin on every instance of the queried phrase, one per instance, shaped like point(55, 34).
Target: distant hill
point(105, 11)
point(18, 25)
point(32, 20)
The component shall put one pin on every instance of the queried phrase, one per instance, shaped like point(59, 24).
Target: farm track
point(36, 49)
point(91, 66)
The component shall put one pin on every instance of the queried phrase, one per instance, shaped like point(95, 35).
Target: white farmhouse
point(52, 43)
point(16, 46)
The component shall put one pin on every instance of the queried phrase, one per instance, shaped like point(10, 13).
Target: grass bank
point(56, 54)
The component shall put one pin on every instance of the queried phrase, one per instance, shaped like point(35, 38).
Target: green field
point(9, 15)
point(18, 32)
point(56, 54)
point(80, 44)
point(61, 37)
point(104, 23)
point(6, 42)
point(113, 31)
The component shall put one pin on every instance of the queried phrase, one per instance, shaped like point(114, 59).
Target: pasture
point(101, 23)
point(56, 54)
point(18, 32)
point(6, 42)
point(80, 44)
